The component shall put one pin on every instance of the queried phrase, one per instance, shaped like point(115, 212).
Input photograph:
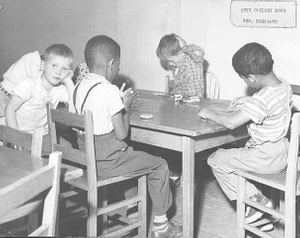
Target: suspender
point(75, 96)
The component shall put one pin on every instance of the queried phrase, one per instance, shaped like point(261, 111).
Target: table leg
point(188, 184)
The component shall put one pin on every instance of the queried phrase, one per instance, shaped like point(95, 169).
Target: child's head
point(57, 62)
point(102, 54)
point(169, 50)
point(252, 59)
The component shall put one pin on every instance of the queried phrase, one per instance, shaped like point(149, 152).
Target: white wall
point(138, 25)
point(29, 25)
point(142, 23)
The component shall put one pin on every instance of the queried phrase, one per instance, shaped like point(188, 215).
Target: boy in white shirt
point(111, 110)
point(53, 83)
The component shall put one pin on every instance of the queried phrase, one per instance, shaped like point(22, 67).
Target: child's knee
point(164, 165)
point(212, 159)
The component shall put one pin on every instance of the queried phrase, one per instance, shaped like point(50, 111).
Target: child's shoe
point(253, 214)
point(166, 230)
point(267, 227)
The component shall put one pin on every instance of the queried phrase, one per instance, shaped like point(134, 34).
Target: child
point(26, 108)
point(268, 114)
point(187, 64)
point(110, 108)
point(26, 67)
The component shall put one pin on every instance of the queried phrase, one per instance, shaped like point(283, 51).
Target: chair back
point(296, 97)
point(83, 159)
point(31, 143)
point(292, 168)
point(212, 84)
point(295, 89)
point(17, 198)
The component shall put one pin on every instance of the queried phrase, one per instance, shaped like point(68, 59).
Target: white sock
point(160, 223)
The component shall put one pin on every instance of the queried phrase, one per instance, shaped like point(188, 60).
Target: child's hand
point(182, 42)
point(236, 103)
point(129, 97)
point(68, 78)
point(123, 93)
point(204, 113)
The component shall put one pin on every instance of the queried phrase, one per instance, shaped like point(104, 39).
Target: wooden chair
point(28, 143)
point(287, 181)
point(212, 84)
point(18, 199)
point(296, 97)
point(92, 184)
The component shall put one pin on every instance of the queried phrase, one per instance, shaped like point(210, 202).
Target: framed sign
point(264, 13)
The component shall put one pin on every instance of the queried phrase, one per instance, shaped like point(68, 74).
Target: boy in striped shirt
point(267, 113)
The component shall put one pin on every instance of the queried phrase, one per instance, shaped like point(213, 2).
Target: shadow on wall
point(121, 78)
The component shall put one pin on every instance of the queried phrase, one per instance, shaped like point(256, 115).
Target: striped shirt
point(103, 101)
point(270, 112)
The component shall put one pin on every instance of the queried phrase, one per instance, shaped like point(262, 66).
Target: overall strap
point(88, 92)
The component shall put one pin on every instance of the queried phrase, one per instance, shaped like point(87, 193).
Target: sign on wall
point(263, 13)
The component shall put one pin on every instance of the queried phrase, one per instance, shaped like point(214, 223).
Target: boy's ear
point(111, 64)
point(252, 78)
point(42, 64)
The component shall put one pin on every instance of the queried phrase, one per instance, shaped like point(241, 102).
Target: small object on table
point(146, 116)
point(191, 99)
point(177, 97)
point(159, 94)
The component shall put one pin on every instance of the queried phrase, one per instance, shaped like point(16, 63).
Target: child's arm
point(12, 107)
point(121, 119)
point(236, 103)
point(68, 82)
point(229, 121)
point(195, 52)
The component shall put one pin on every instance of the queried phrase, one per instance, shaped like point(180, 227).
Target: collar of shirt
point(97, 78)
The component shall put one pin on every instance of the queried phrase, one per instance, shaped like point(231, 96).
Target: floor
point(215, 217)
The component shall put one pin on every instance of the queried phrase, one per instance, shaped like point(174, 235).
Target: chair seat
point(273, 180)
point(81, 182)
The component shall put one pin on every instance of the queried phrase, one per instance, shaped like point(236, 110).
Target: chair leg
point(281, 223)
point(103, 202)
point(241, 188)
point(32, 222)
point(142, 190)
point(92, 213)
point(290, 215)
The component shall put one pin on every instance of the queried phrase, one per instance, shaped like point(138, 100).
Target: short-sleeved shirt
point(33, 111)
point(189, 79)
point(270, 112)
point(103, 101)
point(27, 67)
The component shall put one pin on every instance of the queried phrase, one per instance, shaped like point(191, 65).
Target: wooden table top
point(15, 164)
point(175, 117)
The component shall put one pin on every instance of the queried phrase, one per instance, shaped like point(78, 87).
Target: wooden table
point(15, 165)
point(175, 126)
